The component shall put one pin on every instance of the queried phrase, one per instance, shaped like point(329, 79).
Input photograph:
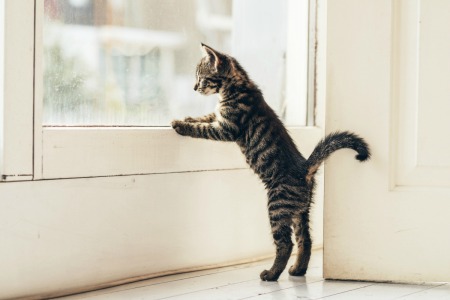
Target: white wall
point(62, 235)
point(59, 236)
point(388, 70)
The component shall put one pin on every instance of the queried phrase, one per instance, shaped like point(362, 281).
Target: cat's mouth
point(207, 92)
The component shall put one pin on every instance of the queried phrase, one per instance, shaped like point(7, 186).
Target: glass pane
point(132, 62)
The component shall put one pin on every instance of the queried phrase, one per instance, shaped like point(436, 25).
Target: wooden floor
point(242, 282)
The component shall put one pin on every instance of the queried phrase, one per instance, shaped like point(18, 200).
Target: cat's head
point(212, 69)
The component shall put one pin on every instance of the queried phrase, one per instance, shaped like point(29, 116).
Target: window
point(101, 80)
point(131, 62)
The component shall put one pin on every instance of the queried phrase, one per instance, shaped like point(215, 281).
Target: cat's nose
point(195, 86)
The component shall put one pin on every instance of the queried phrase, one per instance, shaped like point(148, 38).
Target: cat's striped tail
point(332, 142)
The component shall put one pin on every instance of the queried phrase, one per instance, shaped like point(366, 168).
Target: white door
point(388, 79)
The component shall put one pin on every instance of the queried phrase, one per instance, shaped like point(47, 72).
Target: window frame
point(32, 151)
point(17, 86)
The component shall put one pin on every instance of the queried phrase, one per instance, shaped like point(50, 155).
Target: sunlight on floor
point(242, 282)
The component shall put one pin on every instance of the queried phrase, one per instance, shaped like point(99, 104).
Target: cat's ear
point(212, 55)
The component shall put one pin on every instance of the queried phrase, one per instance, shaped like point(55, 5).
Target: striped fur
point(242, 116)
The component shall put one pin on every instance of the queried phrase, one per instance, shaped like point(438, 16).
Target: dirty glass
point(132, 62)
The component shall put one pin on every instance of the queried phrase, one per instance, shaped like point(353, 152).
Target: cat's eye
point(128, 62)
point(206, 80)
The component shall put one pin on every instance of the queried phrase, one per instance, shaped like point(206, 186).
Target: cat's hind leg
point(304, 243)
point(281, 232)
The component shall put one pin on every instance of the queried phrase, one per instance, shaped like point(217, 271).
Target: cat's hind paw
point(293, 271)
point(269, 276)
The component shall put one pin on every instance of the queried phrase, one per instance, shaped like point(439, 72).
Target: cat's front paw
point(269, 276)
point(179, 126)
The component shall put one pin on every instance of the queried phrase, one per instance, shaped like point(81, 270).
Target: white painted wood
point(38, 90)
point(2, 79)
point(88, 152)
point(320, 67)
point(380, 222)
point(238, 282)
point(422, 93)
point(16, 98)
point(62, 235)
point(433, 88)
point(297, 55)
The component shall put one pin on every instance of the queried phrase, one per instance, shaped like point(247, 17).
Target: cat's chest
point(219, 111)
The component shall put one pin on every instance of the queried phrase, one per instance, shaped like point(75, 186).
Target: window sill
point(71, 152)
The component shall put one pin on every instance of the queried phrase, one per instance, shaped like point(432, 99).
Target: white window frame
point(33, 151)
point(16, 99)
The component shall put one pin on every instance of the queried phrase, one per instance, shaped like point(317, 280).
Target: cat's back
point(265, 141)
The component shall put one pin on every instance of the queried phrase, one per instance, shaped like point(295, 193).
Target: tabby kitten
point(242, 116)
